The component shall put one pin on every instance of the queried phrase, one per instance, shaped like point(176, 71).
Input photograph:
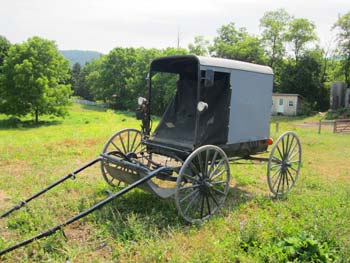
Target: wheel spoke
point(206, 162)
point(121, 140)
point(290, 152)
point(202, 206)
point(219, 182)
point(189, 195)
point(213, 162)
point(206, 197)
point(287, 179)
point(137, 146)
point(217, 175)
point(193, 179)
point(279, 151)
point(275, 159)
point(191, 202)
point(291, 176)
point(216, 168)
point(283, 151)
point(133, 142)
point(189, 187)
point(279, 182)
point(218, 191)
point(276, 172)
point(200, 164)
point(296, 171)
point(128, 141)
point(116, 146)
point(290, 146)
point(292, 157)
point(274, 166)
point(214, 199)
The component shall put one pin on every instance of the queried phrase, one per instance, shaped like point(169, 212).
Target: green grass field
point(312, 224)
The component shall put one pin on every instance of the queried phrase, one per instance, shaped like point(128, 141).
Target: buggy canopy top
point(238, 95)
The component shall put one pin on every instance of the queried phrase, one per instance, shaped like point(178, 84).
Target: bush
point(342, 113)
point(307, 108)
point(305, 248)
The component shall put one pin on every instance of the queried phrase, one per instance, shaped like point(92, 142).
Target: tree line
point(35, 78)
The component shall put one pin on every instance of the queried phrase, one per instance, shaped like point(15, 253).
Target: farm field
point(312, 224)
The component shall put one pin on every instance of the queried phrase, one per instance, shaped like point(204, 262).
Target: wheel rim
point(284, 164)
point(203, 183)
point(128, 143)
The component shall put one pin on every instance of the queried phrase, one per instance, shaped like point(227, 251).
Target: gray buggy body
point(239, 100)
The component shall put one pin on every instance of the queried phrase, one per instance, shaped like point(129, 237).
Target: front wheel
point(126, 143)
point(284, 164)
point(203, 183)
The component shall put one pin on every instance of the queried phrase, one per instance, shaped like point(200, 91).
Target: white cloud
point(102, 25)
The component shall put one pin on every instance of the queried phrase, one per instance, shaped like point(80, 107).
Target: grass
point(310, 225)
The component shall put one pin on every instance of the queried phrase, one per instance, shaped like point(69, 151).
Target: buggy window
point(213, 124)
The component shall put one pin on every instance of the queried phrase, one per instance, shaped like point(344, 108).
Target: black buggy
point(220, 113)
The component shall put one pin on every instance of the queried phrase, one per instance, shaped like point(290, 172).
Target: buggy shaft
point(71, 175)
point(53, 230)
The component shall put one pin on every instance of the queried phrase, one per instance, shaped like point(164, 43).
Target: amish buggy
point(220, 113)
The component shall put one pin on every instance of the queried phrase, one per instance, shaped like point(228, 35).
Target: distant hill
point(80, 56)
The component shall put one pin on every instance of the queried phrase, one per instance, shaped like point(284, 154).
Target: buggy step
point(53, 230)
point(70, 175)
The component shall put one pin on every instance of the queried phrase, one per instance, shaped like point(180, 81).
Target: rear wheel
point(284, 164)
point(127, 144)
point(203, 183)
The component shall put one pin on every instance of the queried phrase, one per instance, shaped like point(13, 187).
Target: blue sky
point(104, 24)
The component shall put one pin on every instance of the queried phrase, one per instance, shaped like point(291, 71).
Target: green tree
point(305, 78)
point(343, 39)
point(199, 47)
point(4, 47)
point(78, 82)
point(274, 25)
point(91, 79)
point(76, 78)
point(237, 44)
point(300, 32)
point(33, 80)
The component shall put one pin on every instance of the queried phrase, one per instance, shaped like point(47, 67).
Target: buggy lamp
point(202, 106)
point(269, 141)
point(141, 101)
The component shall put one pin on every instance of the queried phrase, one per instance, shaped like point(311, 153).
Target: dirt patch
point(69, 142)
point(92, 142)
point(3, 196)
point(14, 168)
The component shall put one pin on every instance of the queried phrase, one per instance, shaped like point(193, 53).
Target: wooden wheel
point(126, 143)
point(202, 184)
point(284, 164)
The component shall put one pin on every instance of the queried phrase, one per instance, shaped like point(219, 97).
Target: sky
point(101, 25)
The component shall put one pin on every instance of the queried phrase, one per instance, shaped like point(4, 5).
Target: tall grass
point(310, 225)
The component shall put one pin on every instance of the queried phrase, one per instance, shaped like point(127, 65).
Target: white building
point(286, 104)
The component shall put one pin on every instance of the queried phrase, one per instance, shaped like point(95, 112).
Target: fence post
point(334, 126)
point(319, 127)
point(277, 126)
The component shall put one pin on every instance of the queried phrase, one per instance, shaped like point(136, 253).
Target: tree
point(237, 44)
point(300, 32)
point(78, 84)
point(33, 80)
point(305, 78)
point(274, 25)
point(199, 47)
point(4, 47)
point(76, 78)
point(343, 39)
